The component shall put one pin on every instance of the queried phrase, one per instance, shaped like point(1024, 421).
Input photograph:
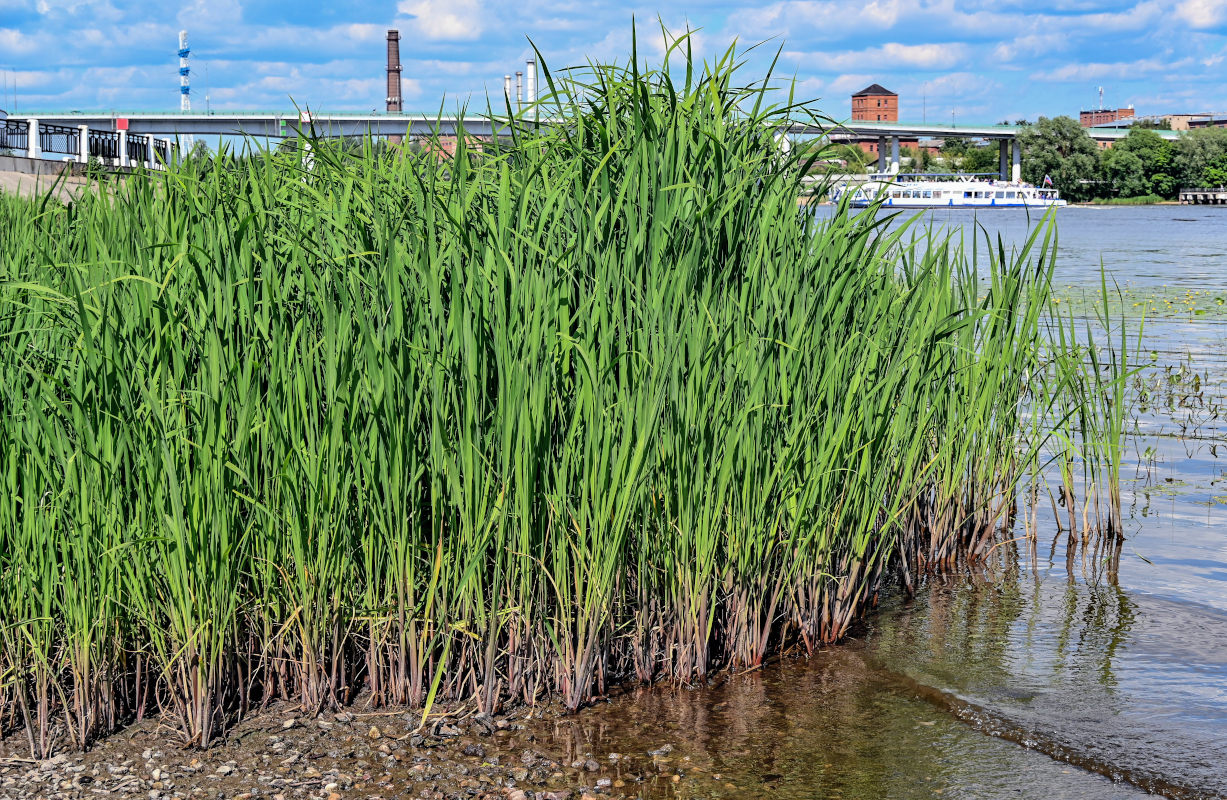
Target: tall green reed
point(592, 401)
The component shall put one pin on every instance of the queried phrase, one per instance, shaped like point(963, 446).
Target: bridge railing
point(103, 144)
point(162, 148)
point(14, 135)
point(36, 139)
point(59, 139)
point(138, 148)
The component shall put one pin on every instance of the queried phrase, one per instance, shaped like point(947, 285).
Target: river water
point(1083, 674)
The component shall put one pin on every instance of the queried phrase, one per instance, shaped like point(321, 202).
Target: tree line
point(1139, 165)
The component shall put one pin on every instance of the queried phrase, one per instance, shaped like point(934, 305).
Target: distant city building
point(1175, 122)
point(1208, 121)
point(1179, 122)
point(875, 103)
point(1101, 116)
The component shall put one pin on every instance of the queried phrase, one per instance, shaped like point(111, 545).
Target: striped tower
point(185, 86)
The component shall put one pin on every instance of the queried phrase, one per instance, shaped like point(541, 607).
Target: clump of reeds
point(596, 402)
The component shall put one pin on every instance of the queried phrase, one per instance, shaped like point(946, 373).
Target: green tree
point(1215, 174)
point(982, 159)
point(962, 155)
point(919, 158)
point(1197, 157)
point(1157, 157)
point(1164, 185)
point(1125, 173)
point(1060, 148)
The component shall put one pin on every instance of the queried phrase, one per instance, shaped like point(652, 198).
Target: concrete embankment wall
point(34, 176)
point(39, 166)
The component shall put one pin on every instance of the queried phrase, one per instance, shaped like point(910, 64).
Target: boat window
point(896, 193)
point(1009, 195)
point(1001, 195)
point(928, 193)
point(967, 194)
point(979, 194)
point(937, 194)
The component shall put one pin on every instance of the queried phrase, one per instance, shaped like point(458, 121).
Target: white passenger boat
point(933, 191)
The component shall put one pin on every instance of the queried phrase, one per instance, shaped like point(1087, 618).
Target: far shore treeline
point(1142, 165)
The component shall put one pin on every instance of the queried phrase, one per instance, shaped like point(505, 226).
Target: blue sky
point(983, 60)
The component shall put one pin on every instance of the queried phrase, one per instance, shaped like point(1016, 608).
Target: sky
point(978, 61)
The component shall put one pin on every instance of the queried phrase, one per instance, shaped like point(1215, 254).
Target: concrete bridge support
point(83, 144)
point(1016, 168)
point(881, 154)
point(1003, 159)
point(33, 148)
point(894, 155)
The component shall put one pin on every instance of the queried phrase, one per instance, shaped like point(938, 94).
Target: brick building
point(1102, 116)
point(875, 103)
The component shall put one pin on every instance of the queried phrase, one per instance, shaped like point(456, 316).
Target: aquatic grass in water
point(597, 401)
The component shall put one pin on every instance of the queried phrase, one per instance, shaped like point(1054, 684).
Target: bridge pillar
point(1016, 168)
point(881, 154)
point(123, 148)
point(150, 160)
point(1003, 159)
point(894, 155)
point(83, 144)
point(33, 148)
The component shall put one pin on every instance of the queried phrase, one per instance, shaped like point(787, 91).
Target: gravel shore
point(374, 756)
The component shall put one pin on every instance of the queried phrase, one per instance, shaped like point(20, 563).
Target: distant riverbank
point(1143, 200)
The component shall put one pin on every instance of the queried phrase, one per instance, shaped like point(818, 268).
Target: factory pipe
point(394, 100)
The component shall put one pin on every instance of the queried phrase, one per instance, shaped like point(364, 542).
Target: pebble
point(305, 757)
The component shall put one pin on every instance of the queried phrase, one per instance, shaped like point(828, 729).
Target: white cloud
point(847, 84)
point(1202, 13)
point(1030, 46)
point(449, 20)
point(1096, 71)
point(16, 43)
point(890, 56)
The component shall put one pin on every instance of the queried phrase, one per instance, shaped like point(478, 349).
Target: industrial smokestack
point(394, 97)
point(530, 70)
point(519, 91)
point(507, 89)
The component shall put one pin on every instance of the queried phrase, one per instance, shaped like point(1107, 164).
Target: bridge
point(126, 138)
